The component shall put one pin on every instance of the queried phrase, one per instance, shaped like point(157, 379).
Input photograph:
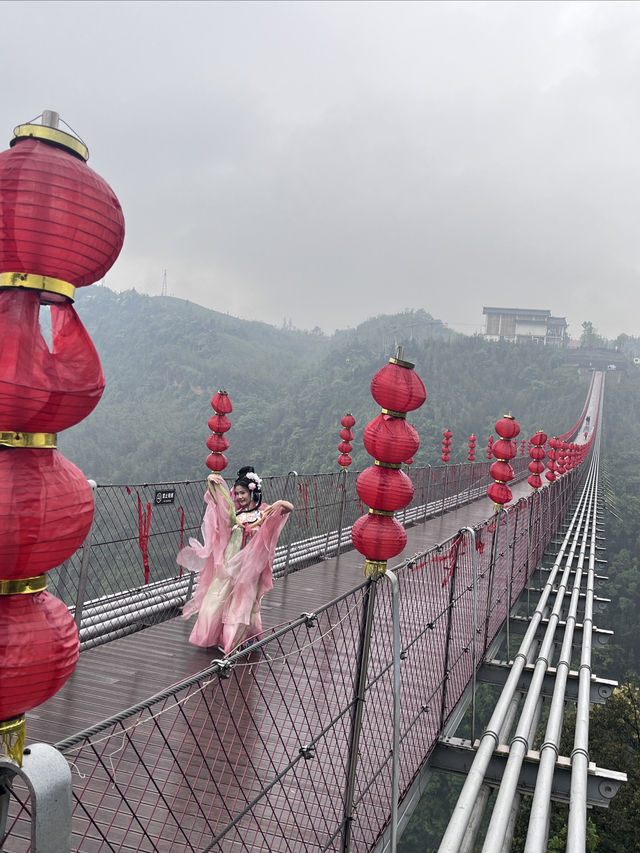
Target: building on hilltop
point(525, 324)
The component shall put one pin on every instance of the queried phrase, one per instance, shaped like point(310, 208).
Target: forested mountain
point(165, 358)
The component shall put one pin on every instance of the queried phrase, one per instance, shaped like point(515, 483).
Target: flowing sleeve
point(205, 558)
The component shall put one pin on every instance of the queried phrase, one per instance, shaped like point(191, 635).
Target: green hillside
point(165, 358)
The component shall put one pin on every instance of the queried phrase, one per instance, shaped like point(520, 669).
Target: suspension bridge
point(323, 735)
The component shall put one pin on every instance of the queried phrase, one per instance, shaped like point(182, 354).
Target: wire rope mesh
point(253, 753)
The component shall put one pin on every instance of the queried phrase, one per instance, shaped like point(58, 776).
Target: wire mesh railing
point(253, 753)
point(125, 577)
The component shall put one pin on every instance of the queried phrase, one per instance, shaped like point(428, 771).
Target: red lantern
point(58, 218)
point(219, 423)
point(499, 493)
point(46, 506)
point(534, 481)
point(345, 447)
point(346, 434)
point(535, 466)
point(387, 489)
point(217, 443)
point(348, 420)
point(42, 389)
point(502, 471)
point(502, 449)
point(378, 537)
point(397, 387)
point(39, 642)
point(390, 439)
point(344, 460)
point(507, 427)
point(221, 404)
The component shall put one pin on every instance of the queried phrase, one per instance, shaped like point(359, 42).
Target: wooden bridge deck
point(114, 676)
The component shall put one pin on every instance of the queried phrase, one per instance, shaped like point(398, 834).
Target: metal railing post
point(475, 632)
point(342, 508)
point(395, 767)
point(84, 567)
point(356, 720)
point(287, 559)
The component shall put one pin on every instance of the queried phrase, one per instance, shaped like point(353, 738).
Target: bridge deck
point(118, 674)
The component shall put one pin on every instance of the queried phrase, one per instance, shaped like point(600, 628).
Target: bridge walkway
point(128, 670)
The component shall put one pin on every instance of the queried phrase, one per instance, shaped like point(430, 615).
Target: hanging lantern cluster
point(551, 463)
point(504, 449)
point(522, 447)
point(471, 455)
point(490, 447)
point(537, 454)
point(346, 435)
point(384, 487)
point(61, 227)
point(219, 423)
point(446, 445)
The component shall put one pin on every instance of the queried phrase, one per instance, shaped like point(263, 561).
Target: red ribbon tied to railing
point(144, 521)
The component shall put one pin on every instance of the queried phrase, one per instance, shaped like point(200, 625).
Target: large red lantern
point(397, 389)
point(383, 486)
point(61, 227)
point(388, 489)
point(39, 643)
point(390, 438)
point(58, 218)
point(42, 388)
point(46, 505)
point(219, 423)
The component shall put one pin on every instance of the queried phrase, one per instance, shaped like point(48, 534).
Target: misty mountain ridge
point(164, 358)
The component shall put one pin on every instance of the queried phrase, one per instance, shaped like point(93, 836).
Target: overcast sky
point(326, 162)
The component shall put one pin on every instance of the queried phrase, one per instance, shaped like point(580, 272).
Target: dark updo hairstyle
point(249, 480)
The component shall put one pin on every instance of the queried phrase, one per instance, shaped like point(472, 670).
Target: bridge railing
point(125, 577)
point(255, 751)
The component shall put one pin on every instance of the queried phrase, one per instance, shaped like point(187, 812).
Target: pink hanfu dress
point(234, 567)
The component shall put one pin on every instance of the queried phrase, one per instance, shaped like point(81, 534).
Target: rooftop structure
point(525, 324)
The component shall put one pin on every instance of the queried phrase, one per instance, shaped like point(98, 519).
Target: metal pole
point(84, 567)
point(356, 726)
point(475, 633)
point(293, 474)
point(395, 767)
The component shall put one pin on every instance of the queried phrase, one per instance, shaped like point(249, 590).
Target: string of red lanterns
point(504, 449)
point(551, 463)
point(471, 455)
point(447, 435)
point(537, 454)
point(384, 487)
point(345, 447)
point(219, 423)
point(61, 227)
point(490, 447)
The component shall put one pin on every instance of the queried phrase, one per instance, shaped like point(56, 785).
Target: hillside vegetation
point(165, 358)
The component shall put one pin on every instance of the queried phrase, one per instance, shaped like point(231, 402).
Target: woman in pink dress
point(234, 564)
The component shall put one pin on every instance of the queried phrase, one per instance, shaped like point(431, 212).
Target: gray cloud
point(329, 161)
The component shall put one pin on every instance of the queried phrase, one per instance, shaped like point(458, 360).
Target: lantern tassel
point(12, 737)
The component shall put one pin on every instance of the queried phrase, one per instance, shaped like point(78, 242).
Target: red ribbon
point(144, 521)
